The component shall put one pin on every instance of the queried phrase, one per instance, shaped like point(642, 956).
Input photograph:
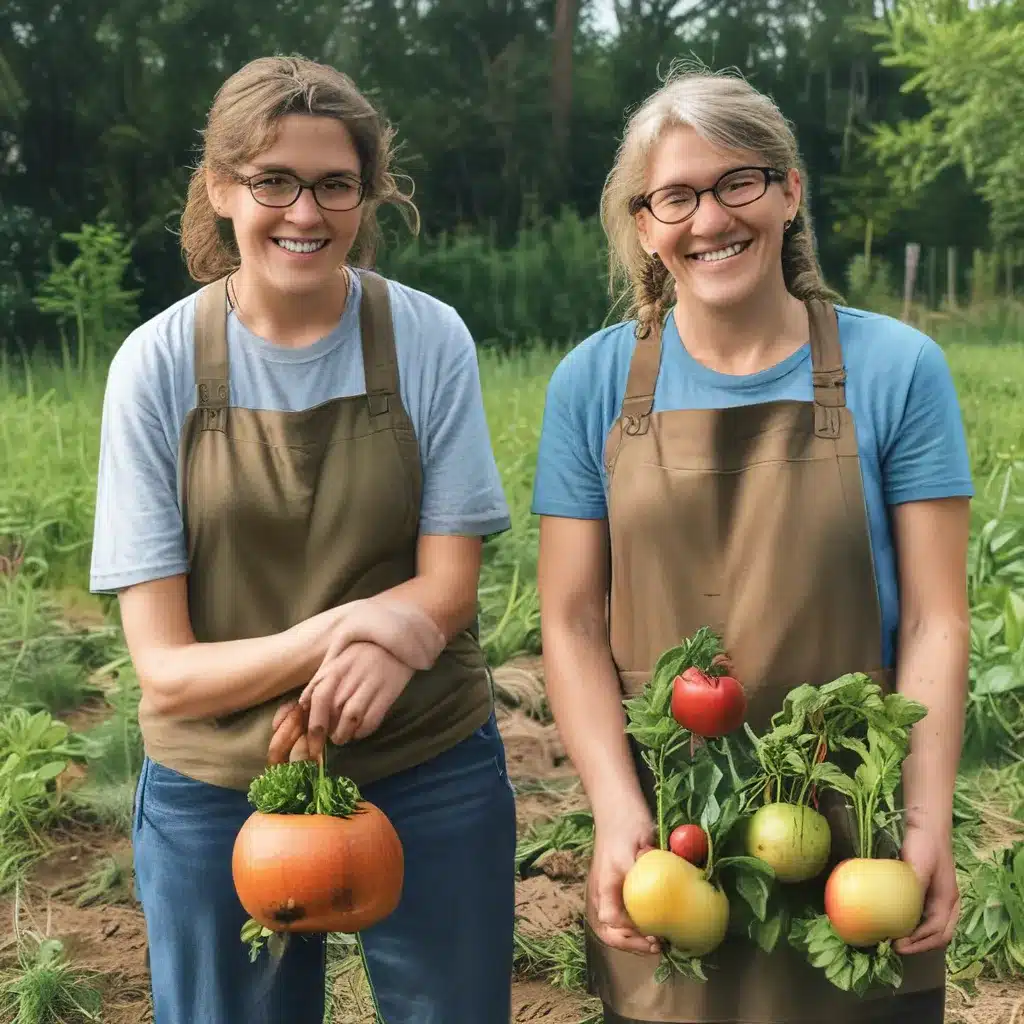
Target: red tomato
point(689, 842)
point(708, 705)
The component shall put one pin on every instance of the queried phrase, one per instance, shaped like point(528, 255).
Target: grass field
point(73, 948)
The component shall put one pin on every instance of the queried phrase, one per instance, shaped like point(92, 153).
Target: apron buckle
point(634, 425)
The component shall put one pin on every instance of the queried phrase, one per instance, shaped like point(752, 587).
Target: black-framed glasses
point(673, 204)
point(279, 189)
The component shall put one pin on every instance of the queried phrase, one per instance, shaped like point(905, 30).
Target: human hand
point(289, 741)
point(617, 844)
point(402, 628)
point(350, 695)
point(929, 851)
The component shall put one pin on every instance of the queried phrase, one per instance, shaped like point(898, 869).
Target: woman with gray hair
point(745, 453)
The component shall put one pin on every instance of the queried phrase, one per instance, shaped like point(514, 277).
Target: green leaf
point(860, 979)
point(888, 969)
point(655, 735)
point(767, 933)
point(840, 972)
point(997, 921)
point(754, 889)
point(50, 770)
point(301, 787)
point(828, 775)
point(902, 711)
point(1013, 621)
point(998, 679)
point(748, 864)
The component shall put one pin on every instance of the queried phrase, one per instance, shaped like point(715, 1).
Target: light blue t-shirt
point(910, 431)
point(139, 531)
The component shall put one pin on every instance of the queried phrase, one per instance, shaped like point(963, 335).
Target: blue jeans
point(443, 957)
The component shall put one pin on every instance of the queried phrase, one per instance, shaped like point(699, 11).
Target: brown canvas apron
point(750, 520)
point(288, 514)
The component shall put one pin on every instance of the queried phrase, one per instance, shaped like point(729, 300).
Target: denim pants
point(443, 957)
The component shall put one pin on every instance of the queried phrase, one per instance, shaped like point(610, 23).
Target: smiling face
point(719, 256)
point(295, 249)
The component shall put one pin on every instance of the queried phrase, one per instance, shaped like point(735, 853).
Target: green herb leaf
point(301, 787)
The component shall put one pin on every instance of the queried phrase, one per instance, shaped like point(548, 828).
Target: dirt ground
point(109, 936)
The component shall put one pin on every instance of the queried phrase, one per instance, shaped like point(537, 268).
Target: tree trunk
point(561, 86)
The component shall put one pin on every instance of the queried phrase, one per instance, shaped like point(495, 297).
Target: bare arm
point(446, 582)
point(444, 590)
point(934, 643)
point(179, 676)
point(582, 682)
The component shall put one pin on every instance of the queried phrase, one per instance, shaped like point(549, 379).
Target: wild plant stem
point(378, 1016)
point(659, 784)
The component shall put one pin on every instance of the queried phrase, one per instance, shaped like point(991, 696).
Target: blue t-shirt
point(139, 531)
point(899, 389)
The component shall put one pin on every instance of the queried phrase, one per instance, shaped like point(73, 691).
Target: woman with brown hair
point(295, 480)
point(743, 453)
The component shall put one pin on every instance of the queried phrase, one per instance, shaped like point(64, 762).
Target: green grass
point(59, 654)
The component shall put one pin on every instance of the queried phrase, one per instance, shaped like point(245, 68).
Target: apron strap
point(380, 360)
point(827, 371)
point(643, 377)
point(211, 349)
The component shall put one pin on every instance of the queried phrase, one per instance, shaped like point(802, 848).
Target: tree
point(967, 60)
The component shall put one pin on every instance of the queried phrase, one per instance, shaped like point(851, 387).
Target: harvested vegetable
point(689, 842)
point(708, 703)
point(335, 865)
point(667, 896)
point(786, 831)
point(314, 857)
point(873, 900)
point(696, 787)
point(793, 838)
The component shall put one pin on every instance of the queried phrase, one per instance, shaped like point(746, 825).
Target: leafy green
point(991, 932)
point(848, 968)
point(302, 787)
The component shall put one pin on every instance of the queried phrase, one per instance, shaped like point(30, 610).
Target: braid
point(649, 296)
point(800, 268)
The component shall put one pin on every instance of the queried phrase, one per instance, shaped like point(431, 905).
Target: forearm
point(198, 680)
point(586, 701)
point(448, 598)
point(933, 667)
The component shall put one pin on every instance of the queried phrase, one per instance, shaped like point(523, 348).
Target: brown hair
point(242, 123)
point(724, 109)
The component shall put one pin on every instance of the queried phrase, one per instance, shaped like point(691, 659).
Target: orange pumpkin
point(318, 872)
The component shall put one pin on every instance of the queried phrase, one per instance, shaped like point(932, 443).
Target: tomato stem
point(659, 784)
